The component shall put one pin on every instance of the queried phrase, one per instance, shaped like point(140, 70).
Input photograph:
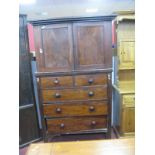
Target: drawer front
point(49, 82)
point(87, 80)
point(76, 109)
point(75, 94)
point(129, 99)
point(76, 124)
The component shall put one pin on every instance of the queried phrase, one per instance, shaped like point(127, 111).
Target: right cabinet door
point(92, 45)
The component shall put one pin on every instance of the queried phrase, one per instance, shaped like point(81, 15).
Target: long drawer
point(50, 82)
point(64, 125)
point(93, 79)
point(76, 109)
point(85, 93)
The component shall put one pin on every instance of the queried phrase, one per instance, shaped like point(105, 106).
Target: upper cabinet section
point(126, 42)
point(81, 44)
point(92, 45)
point(54, 48)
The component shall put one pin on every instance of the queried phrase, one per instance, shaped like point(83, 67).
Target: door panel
point(28, 123)
point(90, 45)
point(28, 130)
point(128, 120)
point(56, 48)
point(127, 51)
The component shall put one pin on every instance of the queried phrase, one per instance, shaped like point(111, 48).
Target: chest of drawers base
point(75, 104)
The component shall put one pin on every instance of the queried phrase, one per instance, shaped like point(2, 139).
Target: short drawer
point(49, 82)
point(66, 125)
point(94, 79)
point(76, 109)
point(88, 93)
point(129, 99)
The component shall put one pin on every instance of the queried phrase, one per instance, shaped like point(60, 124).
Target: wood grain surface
point(75, 94)
point(63, 125)
point(98, 147)
point(76, 109)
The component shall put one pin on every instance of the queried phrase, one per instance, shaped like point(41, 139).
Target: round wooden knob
point(57, 95)
point(91, 93)
point(91, 108)
point(62, 125)
point(56, 81)
point(58, 110)
point(90, 81)
point(93, 123)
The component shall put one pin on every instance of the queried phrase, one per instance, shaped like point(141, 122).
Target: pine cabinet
point(124, 69)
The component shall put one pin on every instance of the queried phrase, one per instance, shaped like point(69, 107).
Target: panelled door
point(28, 122)
point(128, 119)
point(126, 54)
point(92, 45)
point(54, 49)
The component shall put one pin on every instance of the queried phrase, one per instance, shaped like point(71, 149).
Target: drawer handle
point(91, 93)
point(58, 110)
point(90, 81)
point(56, 81)
point(93, 123)
point(62, 125)
point(57, 95)
point(91, 108)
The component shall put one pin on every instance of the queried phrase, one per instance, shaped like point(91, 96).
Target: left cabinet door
point(28, 122)
point(54, 48)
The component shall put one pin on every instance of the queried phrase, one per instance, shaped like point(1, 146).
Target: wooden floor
point(78, 137)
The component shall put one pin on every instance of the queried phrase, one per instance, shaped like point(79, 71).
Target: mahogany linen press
point(74, 66)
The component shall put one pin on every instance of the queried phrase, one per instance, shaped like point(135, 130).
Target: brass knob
point(93, 123)
point(57, 95)
point(62, 125)
point(58, 110)
point(91, 93)
point(91, 108)
point(56, 81)
point(90, 81)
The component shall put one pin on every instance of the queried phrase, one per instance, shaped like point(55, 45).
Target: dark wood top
point(72, 19)
point(39, 74)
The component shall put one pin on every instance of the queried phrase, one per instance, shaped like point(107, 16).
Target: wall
point(44, 9)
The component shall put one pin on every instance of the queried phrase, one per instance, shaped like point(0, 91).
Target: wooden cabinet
point(74, 75)
point(124, 80)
